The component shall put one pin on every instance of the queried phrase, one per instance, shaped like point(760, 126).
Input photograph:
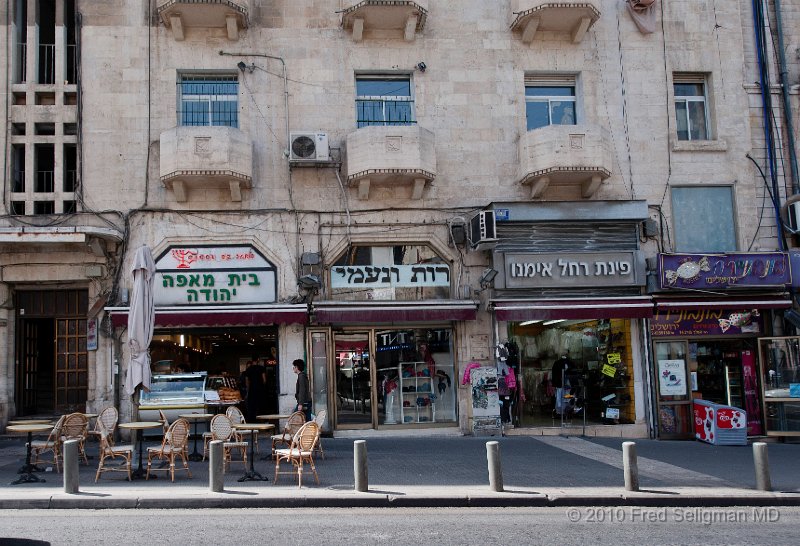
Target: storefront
point(384, 347)
point(216, 310)
point(707, 347)
point(568, 300)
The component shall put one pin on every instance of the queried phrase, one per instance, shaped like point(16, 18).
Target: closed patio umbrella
point(141, 318)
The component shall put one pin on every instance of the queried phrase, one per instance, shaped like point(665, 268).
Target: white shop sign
point(576, 269)
point(390, 276)
point(214, 275)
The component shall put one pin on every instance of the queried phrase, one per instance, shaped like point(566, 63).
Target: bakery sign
point(214, 275)
point(571, 270)
point(725, 271)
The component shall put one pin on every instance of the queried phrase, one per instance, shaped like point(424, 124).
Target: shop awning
point(394, 312)
point(780, 301)
point(574, 308)
point(211, 316)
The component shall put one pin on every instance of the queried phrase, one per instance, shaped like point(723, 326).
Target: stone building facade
point(345, 153)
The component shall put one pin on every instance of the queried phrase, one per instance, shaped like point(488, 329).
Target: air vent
point(308, 147)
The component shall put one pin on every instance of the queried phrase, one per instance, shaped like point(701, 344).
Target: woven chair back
point(295, 422)
point(221, 428)
point(321, 417)
point(164, 421)
point(306, 437)
point(107, 419)
point(178, 434)
point(235, 415)
point(75, 426)
point(55, 434)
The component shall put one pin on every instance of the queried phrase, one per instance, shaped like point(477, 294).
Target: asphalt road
point(306, 527)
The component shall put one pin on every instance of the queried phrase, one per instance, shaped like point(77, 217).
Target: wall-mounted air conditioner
point(482, 231)
point(308, 147)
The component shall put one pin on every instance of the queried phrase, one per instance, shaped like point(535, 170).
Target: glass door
point(675, 417)
point(352, 379)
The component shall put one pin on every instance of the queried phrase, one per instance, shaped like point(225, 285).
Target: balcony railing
point(44, 182)
point(384, 112)
point(47, 63)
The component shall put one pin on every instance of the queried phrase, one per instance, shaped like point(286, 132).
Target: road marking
point(669, 473)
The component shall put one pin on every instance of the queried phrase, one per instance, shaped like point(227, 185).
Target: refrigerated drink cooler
point(718, 424)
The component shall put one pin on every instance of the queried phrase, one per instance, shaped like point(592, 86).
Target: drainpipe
point(787, 109)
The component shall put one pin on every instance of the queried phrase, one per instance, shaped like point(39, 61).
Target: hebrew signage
point(578, 269)
point(390, 276)
point(725, 271)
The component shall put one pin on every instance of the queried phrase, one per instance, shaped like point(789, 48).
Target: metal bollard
point(71, 472)
point(630, 466)
point(761, 460)
point(360, 470)
point(216, 467)
point(495, 470)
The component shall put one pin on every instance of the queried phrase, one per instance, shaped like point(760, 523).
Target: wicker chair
point(109, 451)
point(237, 417)
point(173, 446)
point(106, 421)
point(76, 427)
point(320, 419)
point(293, 424)
point(300, 451)
point(163, 420)
point(222, 429)
point(52, 445)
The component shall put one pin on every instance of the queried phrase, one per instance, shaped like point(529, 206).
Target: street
point(563, 526)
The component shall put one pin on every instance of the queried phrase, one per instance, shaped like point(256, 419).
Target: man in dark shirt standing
point(255, 378)
point(302, 393)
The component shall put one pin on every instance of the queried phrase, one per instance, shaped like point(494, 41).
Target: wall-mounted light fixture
point(421, 66)
point(309, 282)
point(488, 277)
point(244, 66)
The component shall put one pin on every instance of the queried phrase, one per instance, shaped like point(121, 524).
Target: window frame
point(225, 118)
point(688, 100)
point(550, 99)
point(385, 100)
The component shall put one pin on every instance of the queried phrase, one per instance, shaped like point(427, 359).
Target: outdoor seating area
point(293, 450)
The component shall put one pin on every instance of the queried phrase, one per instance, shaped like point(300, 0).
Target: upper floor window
point(696, 208)
point(691, 112)
point(209, 100)
point(549, 101)
point(384, 100)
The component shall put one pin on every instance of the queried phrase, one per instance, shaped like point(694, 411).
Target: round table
point(27, 471)
point(139, 426)
point(252, 475)
point(274, 418)
point(30, 422)
point(196, 417)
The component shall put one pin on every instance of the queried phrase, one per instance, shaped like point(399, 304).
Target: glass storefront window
point(599, 376)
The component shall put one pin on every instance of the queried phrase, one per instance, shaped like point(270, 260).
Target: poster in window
point(672, 377)
point(91, 334)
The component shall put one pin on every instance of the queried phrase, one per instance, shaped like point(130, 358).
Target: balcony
point(400, 155)
point(385, 17)
point(204, 158)
point(565, 155)
point(178, 15)
point(531, 16)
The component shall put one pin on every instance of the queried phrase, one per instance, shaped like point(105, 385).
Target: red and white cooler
point(719, 425)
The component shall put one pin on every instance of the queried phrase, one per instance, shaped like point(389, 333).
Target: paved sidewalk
point(443, 471)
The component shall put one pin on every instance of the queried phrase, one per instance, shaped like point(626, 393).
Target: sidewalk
point(446, 471)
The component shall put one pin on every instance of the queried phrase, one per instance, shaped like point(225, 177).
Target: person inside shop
point(255, 380)
point(559, 380)
point(302, 393)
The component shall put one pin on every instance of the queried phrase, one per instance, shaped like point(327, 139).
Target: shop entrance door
point(675, 418)
point(353, 380)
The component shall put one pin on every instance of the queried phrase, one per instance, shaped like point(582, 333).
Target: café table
point(27, 471)
point(30, 422)
point(218, 405)
point(196, 417)
point(139, 426)
point(275, 419)
point(252, 428)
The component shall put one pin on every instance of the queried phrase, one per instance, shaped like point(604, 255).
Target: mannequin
point(560, 382)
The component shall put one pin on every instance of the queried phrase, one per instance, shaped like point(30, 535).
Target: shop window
point(703, 219)
point(400, 272)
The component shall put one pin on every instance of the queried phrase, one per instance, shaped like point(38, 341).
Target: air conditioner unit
point(793, 215)
point(308, 146)
point(482, 230)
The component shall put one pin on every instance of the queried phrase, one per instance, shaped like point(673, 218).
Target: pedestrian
point(302, 393)
point(255, 379)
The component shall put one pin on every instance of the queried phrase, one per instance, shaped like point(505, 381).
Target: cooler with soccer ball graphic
point(719, 425)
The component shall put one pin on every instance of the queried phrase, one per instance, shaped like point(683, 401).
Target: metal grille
point(567, 237)
point(384, 100)
point(47, 63)
point(209, 100)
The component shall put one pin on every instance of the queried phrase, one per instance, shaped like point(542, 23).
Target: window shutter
point(555, 80)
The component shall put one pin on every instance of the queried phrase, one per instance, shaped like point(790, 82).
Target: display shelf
point(417, 400)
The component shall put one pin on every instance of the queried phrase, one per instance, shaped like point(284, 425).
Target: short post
point(630, 466)
point(761, 460)
point(495, 470)
point(71, 472)
point(360, 470)
point(216, 467)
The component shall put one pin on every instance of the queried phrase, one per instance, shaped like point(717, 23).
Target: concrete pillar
point(761, 461)
point(630, 466)
point(71, 473)
point(216, 467)
point(495, 469)
point(360, 470)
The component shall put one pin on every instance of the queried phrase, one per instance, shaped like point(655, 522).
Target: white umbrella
point(141, 318)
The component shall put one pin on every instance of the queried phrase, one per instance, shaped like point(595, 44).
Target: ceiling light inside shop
point(529, 322)
point(549, 322)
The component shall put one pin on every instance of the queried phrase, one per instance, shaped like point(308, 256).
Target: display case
point(173, 394)
point(780, 380)
point(417, 400)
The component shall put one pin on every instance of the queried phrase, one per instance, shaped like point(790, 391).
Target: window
point(209, 100)
point(549, 101)
point(384, 100)
point(704, 219)
point(690, 107)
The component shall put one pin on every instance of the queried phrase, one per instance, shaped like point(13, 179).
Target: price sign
point(610, 371)
point(612, 413)
point(614, 358)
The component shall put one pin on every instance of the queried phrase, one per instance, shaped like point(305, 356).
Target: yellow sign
point(610, 371)
point(614, 358)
